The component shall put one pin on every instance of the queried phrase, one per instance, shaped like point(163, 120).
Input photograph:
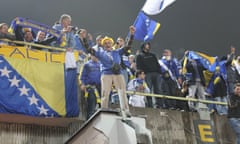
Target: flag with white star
point(146, 28)
point(37, 88)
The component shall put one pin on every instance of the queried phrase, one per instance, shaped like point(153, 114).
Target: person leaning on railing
point(4, 34)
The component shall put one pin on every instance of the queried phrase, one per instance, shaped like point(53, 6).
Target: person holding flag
point(112, 71)
point(196, 80)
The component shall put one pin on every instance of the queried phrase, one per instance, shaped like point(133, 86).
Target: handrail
point(177, 98)
point(33, 44)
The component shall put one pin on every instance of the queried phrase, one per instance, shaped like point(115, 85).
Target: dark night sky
point(209, 26)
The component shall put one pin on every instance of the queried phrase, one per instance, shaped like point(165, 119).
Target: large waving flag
point(146, 28)
point(153, 7)
point(37, 88)
point(208, 62)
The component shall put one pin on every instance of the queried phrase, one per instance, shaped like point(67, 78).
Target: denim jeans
point(198, 89)
point(235, 124)
point(221, 109)
point(91, 102)
point(153, 80)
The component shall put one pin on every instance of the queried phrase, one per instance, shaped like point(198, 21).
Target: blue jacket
point(91, 74)
point(80, 46)
point(172, 66)
point(69, 38)
point(108, 58)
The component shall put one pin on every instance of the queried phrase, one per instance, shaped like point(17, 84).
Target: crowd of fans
point(104, 65)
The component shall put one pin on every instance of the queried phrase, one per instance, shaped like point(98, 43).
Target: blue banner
point(146, 28)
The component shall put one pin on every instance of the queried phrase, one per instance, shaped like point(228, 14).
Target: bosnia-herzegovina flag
point(146, 28)
point(37, 88)
point(208, 62)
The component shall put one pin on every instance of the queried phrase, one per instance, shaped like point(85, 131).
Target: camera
point(74, 28)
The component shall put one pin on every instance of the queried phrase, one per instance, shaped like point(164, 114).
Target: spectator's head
point(145, 47)
point(28, 37)
point(131, 59)
point(82, 33)
point(65, 20)
point(167, 54)
point(3, 28)
point(93, 58)
point(107, 43)
point(237, 89)
point(99, 40)
point(40, 36)
point(120, 42)
point(140, 74)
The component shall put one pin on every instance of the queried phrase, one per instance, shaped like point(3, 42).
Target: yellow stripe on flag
point(209, 58)
point(46, 78)
point(25, 53)
point(156, 29)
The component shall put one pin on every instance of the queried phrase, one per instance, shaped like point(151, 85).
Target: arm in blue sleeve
point(72, 41)
point(84, 74)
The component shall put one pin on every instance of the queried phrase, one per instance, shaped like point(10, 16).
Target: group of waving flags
point(146, 27)
point(36, 83)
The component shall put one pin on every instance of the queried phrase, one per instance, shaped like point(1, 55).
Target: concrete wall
point(13, 133)
point(174, 127)
point(168, 127)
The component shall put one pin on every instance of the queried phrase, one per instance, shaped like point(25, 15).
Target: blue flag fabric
point(146, 28)
point(22, 91)
point(71, 93)
point(208, 62)
point(223, 71)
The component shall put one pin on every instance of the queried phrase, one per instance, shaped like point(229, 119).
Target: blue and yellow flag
point(37, 88)
point(208, 62)
point(146, 28)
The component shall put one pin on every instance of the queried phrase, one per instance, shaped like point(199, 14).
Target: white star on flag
point(42, 110)
point(14, 81)
point(5, 72)
point(1, 61)
point(33, 100)
point(24, 90)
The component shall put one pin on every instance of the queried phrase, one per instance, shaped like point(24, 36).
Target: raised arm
point(131, 38)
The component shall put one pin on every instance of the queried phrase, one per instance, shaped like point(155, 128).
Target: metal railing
point(177, 98)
